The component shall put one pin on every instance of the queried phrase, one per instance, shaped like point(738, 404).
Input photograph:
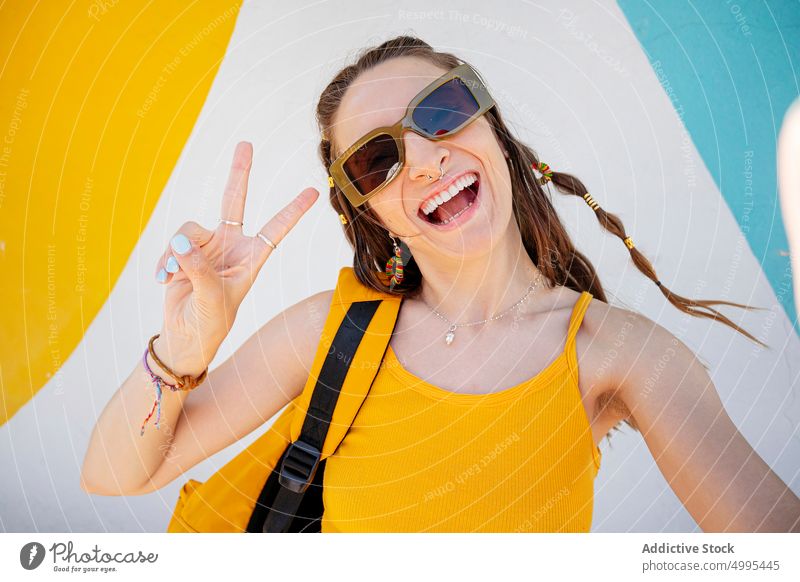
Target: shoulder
point(287, 343)
point(310, 313)
point(298, 328)
point(631, 357)
point(627, 334)
point(597, 356)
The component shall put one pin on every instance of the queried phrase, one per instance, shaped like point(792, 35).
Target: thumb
point(198, 269)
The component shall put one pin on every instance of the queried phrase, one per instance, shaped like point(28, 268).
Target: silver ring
point(266, 240)
point(231, 222)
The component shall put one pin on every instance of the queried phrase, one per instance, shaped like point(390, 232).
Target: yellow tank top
point(419, 458)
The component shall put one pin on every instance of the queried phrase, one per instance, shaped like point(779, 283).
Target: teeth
point(446, 195)
point(457, 214)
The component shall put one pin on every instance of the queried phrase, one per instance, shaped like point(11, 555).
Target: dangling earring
point(394, 266)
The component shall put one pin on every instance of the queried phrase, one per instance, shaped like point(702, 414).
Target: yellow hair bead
point(591, 201)
point(330, 181)
point(629, 242)
point(343, 219)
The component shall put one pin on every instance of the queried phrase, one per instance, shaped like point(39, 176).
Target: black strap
point(298, 474)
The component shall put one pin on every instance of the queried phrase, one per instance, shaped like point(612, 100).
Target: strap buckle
point(299, 466)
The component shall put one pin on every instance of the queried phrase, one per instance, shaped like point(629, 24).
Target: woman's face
point(379, 97)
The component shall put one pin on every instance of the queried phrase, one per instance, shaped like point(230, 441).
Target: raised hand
point(209, 272)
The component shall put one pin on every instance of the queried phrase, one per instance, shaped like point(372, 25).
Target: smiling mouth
point(453, 208)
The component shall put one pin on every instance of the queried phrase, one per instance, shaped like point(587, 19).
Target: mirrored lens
point(373, 163)
point(449, 107)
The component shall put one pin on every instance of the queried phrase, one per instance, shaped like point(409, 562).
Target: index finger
point(235, 194)
point(280, 224)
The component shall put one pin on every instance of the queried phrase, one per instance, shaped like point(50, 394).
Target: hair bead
point(629, 242)
point(544, 169)
point(343, 219)
point(591, 201)
point(330, 181)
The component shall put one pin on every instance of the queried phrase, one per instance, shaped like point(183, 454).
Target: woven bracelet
point(182, 382)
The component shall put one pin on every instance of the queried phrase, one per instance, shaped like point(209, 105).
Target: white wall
point(591, 106)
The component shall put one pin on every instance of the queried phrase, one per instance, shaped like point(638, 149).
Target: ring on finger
point(266, 240)
point(231, 222)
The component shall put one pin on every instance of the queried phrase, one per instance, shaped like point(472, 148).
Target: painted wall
point(669, 118)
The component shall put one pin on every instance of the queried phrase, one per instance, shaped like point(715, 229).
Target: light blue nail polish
point(172, 265)
point(161, 276)
point(181, 244)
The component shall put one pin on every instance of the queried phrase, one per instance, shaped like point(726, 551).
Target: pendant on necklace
point(451, 335)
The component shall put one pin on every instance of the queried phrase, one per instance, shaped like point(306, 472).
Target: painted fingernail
point(161, 276)
point(181, 244)
point(172, 265)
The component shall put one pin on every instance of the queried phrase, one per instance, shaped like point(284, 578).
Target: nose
point(424, 157)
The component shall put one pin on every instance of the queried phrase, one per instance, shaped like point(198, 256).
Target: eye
point(378, 160)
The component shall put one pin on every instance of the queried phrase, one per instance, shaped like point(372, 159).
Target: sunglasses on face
point(440, 110)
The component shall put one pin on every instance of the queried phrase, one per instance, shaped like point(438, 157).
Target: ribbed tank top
point(419, 458)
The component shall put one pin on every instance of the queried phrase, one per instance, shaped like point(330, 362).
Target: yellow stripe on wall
point(97, 99)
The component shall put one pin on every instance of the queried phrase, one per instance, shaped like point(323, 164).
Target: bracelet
point(157, 381)
point(182, 382)
point(185, 383)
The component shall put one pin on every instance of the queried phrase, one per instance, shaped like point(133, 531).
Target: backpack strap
point(356, 361)
point(341, 376)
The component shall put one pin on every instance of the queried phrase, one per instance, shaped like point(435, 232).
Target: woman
point(502, 433)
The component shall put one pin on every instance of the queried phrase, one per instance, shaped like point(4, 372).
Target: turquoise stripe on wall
point(732, 68)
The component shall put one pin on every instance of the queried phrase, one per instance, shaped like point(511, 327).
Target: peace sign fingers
point(235, 194)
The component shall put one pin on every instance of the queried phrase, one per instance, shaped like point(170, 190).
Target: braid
point(568, 184)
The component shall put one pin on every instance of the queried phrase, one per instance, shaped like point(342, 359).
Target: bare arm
point(723, 483)
point(241, 394)
point(207, 274)
point(249, 388)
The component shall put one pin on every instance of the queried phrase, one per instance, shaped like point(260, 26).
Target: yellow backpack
point(275, 484)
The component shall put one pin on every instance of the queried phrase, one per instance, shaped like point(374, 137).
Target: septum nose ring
point(441, 173)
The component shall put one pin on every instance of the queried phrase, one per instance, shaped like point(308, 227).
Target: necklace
point(451, 331)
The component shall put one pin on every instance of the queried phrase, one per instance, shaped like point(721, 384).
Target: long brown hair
point(543, 235)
